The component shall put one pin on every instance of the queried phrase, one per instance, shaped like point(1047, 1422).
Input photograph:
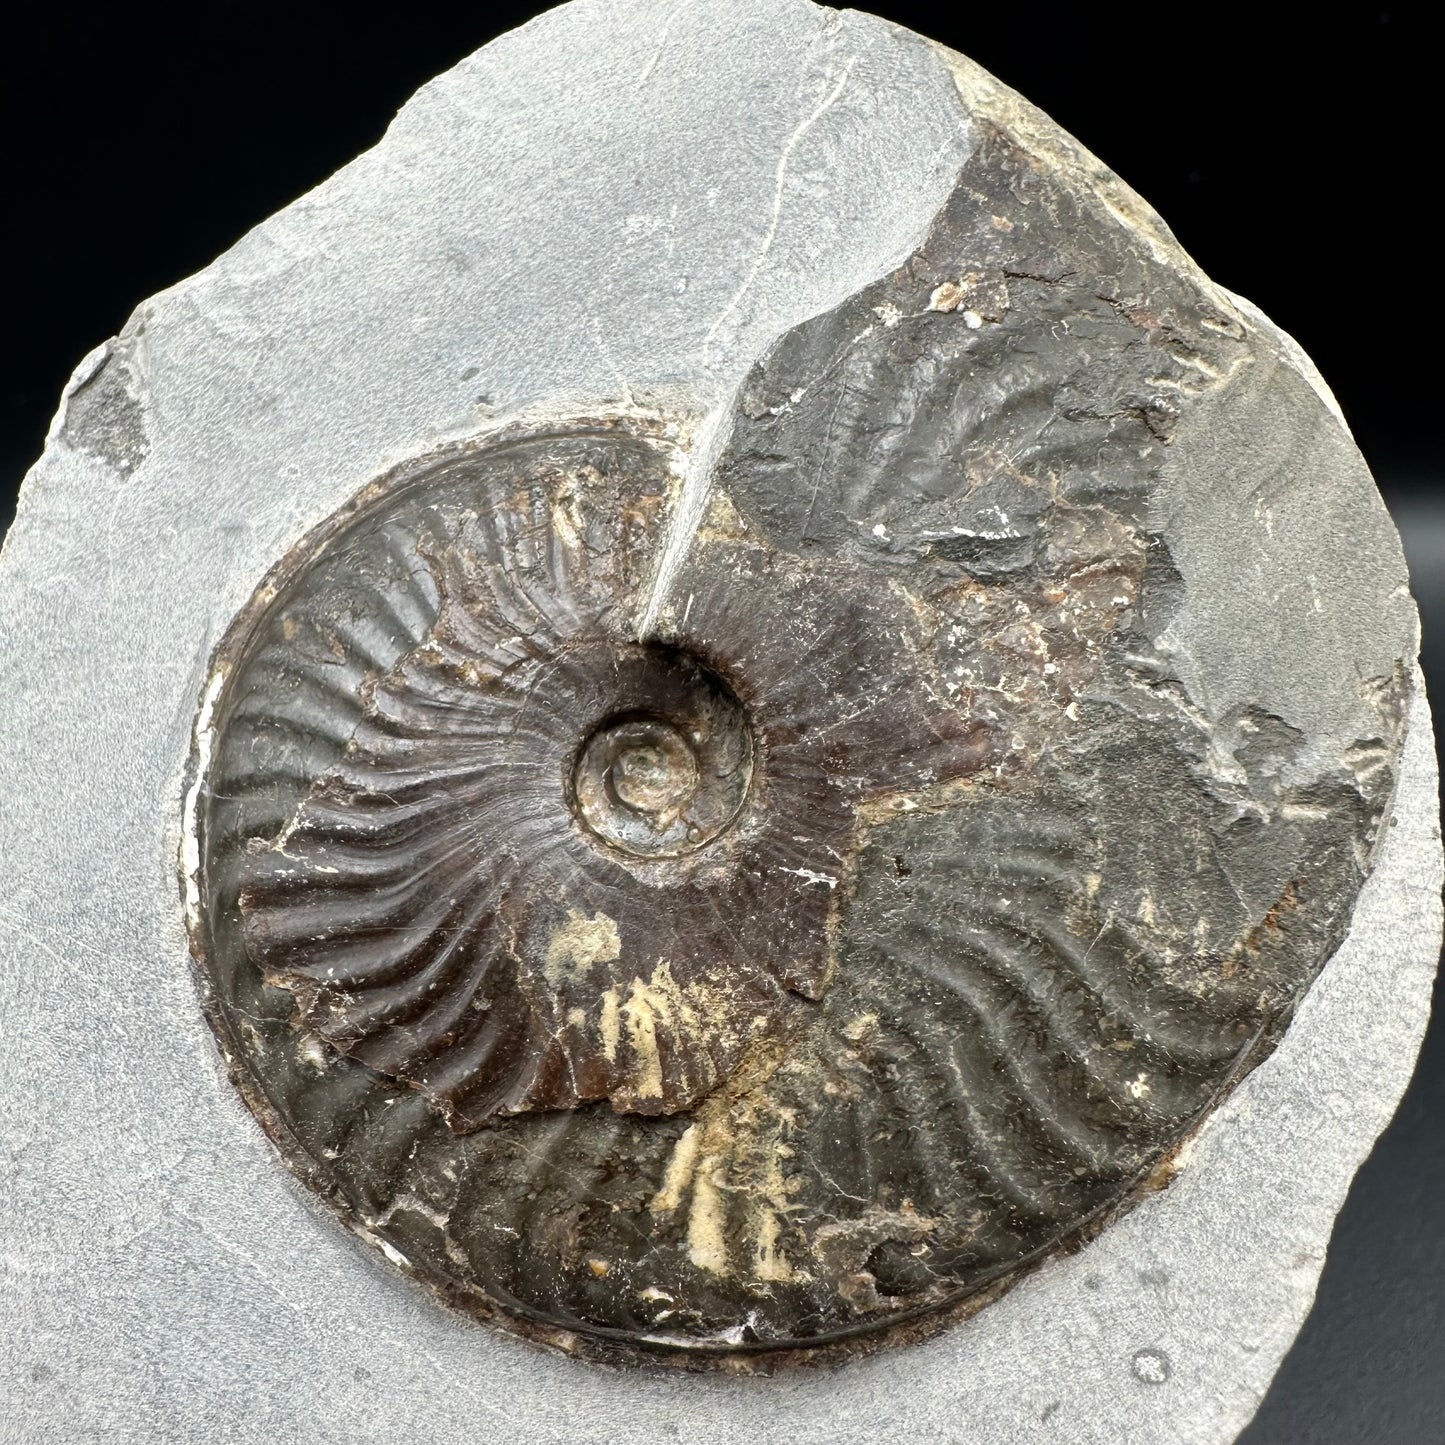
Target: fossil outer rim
point(902, 1325)
point(603, 1346)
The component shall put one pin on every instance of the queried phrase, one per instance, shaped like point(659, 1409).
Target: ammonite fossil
point(703, 903)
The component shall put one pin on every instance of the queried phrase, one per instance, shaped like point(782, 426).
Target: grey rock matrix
point(900, 423)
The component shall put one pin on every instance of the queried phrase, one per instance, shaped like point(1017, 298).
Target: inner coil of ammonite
point(792, 942)
point(664, 780)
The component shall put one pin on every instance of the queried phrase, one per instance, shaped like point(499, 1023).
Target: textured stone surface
point(161, 1269)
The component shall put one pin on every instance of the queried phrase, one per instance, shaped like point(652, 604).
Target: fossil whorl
point(557, 864)
point(882, 918)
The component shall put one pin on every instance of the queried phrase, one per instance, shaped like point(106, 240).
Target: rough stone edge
point(1410, 862)
point(1006, 104)
point(984, 94)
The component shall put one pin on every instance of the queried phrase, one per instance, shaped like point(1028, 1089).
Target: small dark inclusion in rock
point(871, 931)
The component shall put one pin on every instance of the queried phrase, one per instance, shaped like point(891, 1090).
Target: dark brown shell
point(878, 922)
point(440, 907)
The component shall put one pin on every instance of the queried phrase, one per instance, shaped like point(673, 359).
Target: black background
point(1289, 150)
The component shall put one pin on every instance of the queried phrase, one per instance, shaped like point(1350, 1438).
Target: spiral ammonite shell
point(735, 947)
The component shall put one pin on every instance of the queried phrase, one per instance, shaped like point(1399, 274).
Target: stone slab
point(164, 1277)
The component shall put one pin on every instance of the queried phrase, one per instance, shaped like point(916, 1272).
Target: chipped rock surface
point(805, 350)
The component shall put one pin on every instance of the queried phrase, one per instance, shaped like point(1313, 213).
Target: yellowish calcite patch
point(578, 944)
point(731, 1165)
point(636, 1011)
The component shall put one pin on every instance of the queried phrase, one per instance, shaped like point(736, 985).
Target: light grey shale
point(620, 205)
